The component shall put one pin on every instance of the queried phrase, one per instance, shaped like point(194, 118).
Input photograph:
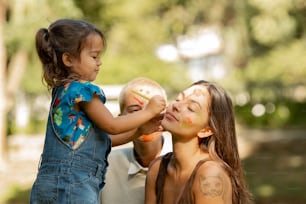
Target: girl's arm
point(102, 117)
point(123, 138)
point(149, 127)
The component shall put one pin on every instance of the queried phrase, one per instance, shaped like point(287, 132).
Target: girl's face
point(88, 65)
point(189, 113)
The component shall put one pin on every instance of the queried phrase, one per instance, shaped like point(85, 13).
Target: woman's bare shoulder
point(154, 165)
point(212, 183)
point(213, 169)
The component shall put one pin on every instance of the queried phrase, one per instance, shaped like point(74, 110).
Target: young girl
point(74, 159)
point(204, 167)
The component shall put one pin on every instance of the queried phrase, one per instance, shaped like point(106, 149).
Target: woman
point(205, 165)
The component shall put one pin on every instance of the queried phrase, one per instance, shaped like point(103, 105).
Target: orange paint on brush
point(147, 138)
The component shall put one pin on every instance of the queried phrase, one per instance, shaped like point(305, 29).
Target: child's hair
point(62, 36)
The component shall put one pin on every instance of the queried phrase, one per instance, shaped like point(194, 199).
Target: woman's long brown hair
point(222, 145)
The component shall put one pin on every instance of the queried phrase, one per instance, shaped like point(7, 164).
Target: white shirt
point(125, 177)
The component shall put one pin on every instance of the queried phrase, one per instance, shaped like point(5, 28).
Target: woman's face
point(189, 113)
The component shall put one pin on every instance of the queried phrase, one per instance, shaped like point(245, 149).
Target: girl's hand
point(153, 125)
point(156, 105)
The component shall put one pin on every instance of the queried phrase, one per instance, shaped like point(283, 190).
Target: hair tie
point(46, 34)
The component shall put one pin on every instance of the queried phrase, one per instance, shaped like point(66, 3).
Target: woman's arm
point(212, 185)
point(150, 195)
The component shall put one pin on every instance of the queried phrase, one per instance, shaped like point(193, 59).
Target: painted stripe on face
point(140, 102)
point(141, 95)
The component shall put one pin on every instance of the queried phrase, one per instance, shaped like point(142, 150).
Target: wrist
point(150, 112)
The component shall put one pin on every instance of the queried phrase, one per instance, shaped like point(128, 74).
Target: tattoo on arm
point(211, 185)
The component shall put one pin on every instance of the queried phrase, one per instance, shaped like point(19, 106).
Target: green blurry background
point(255, 49)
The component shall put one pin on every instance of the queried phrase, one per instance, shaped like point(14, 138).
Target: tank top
point(186, 196)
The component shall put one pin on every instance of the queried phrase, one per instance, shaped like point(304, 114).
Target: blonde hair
point(138, 82)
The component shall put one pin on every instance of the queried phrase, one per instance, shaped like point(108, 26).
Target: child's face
point(189, 113)
point(88, 65)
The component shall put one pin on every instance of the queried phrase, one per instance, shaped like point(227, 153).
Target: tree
point(3, 110)
point(17, 45)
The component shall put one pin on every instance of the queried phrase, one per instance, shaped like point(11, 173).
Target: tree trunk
point(3, 110)
point(15, 73)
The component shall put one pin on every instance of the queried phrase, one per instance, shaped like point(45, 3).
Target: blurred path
point(249, 139)
point(25, 150)
point(23, 157)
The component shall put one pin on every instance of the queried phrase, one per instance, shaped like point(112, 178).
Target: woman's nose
point(176, 106)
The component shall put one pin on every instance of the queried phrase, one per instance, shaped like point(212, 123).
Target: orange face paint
point(187, 122)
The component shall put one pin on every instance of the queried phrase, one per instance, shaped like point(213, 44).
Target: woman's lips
point(170, 116)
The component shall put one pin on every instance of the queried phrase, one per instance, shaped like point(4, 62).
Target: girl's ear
point(205, 132)
point(67, 60)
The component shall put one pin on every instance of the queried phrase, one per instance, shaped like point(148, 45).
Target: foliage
point(16, 194)
point(284, 114)
point(264, 42)
point(276, 68)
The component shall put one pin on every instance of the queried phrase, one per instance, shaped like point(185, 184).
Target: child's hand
point(153, 125)
point(156, 105)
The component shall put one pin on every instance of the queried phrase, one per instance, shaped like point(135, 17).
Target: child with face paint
point(125, 178)
point(205, 165)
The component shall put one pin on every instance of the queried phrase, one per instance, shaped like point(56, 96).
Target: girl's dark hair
point(222, 145)
point(62, 36)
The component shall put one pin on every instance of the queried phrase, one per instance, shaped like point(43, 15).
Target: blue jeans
point(61, 183)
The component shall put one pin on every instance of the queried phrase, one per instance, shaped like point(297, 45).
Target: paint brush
point(141, 95)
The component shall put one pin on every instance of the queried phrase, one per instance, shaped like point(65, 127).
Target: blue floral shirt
point(70, 122)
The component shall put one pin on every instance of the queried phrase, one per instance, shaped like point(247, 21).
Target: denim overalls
point(68, 176)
